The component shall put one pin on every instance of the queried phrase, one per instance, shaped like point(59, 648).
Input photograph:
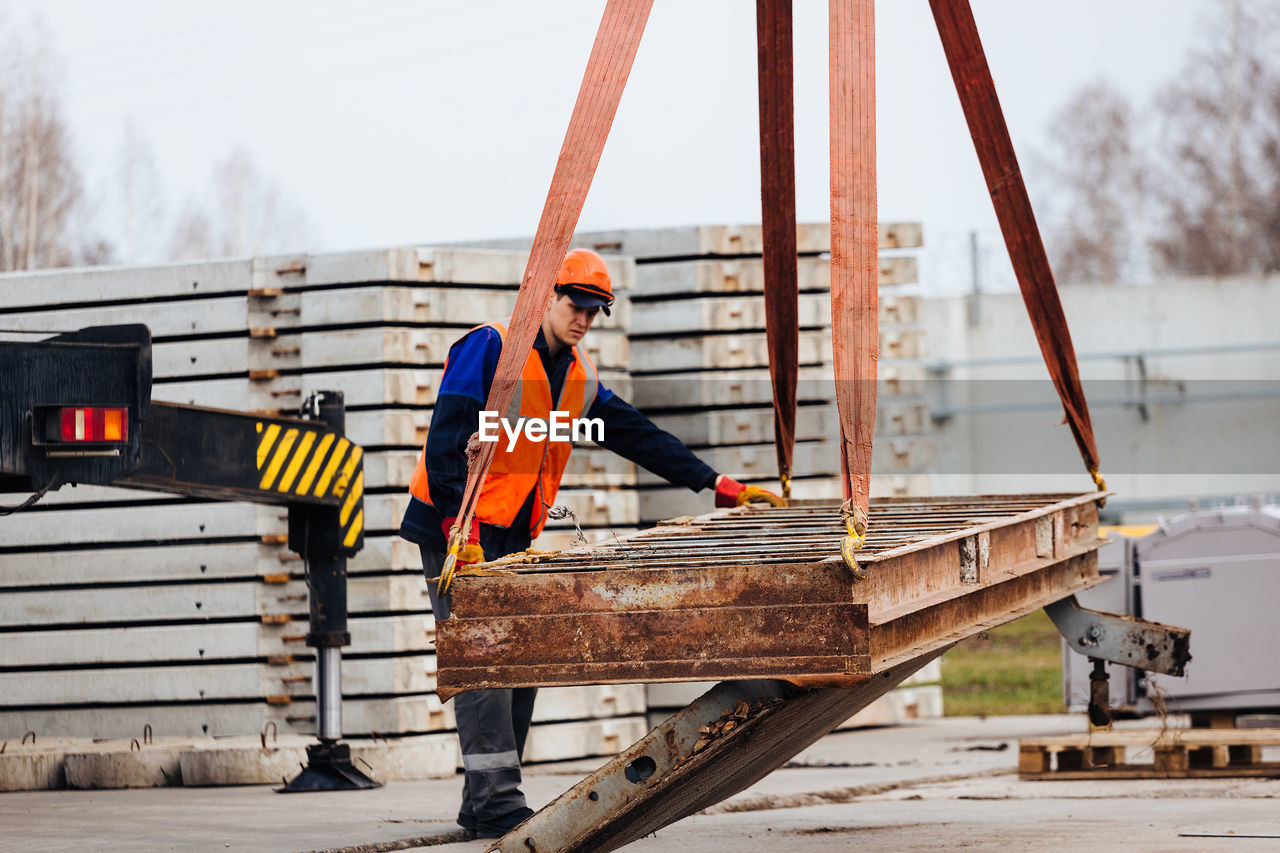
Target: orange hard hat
point(584, 278)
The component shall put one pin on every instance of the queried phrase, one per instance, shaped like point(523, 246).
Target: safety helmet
point(584, 278)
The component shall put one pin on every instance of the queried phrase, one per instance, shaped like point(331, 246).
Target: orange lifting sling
point(610, 63)
point(854, 241)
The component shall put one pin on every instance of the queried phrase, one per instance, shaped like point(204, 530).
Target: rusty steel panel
point(539, 591)
point(658, 645)
point(761, 592)
point(654, 625)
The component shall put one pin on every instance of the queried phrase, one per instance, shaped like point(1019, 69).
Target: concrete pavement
point(933, 784)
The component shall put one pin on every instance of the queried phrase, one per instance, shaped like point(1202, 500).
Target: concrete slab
point(31, 771)
point(128, 763)
point(36, 764)
point(250, 761)
point(244, 761)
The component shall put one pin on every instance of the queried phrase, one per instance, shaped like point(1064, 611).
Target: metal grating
point(806, 531)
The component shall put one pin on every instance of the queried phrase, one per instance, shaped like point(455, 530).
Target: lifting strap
point(854, 252)
point(778, 207)
point(608, 67)
point(977, 91)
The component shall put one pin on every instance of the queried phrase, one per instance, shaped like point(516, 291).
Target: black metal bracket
point(1121, 639)
point(1099, 695)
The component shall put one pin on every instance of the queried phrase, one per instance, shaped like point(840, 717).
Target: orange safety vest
point(529, 464)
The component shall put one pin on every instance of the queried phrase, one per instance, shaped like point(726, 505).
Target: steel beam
point(680, 767)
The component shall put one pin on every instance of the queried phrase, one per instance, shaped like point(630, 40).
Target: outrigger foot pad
point(329, 768)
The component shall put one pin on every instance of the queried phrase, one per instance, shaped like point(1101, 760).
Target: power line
point(215, 57)
point(179, 39)
point(274, 87)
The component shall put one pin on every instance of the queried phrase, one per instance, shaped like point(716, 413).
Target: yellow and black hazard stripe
point(317, 464)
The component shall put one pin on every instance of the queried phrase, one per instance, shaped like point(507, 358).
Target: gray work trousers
point(492, 727)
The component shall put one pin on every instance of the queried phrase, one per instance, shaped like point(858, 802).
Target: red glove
point(729, 493)
point(470, 552)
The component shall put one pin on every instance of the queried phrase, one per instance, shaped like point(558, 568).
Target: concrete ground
point(930, 785)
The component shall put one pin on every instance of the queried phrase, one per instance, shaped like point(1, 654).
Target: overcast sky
point(417, 121)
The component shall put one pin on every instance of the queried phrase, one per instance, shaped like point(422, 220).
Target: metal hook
point(275, 733)
point(855, 523)
point(135, 746)
point(146, 734)
point(31, 735)
point(311, 406)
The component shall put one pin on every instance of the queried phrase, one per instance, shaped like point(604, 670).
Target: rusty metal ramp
point(762, 593)
point(731, 737)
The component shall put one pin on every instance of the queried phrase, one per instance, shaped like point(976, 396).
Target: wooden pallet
point(1173, 753)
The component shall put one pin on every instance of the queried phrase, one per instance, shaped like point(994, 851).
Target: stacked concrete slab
point(123, 608)
point(700, 359)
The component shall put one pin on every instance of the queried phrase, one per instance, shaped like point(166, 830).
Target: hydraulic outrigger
point(77, 408)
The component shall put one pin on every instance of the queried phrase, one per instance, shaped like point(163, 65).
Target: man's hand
point(460, 554)
point(729, 493)
point(469, 551)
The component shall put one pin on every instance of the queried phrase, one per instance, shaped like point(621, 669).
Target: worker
point(520, 488)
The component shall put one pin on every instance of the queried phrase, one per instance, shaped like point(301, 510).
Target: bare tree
point(242, 214)
point(44, 217)
point(135, 199)
point(1194, 181)
point(1098, 228)
point(192, 235)
point(40, 185)
point(1220, 120)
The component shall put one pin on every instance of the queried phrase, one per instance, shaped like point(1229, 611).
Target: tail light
point(94, 424)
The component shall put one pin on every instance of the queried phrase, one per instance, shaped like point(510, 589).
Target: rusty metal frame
point(761, 593)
